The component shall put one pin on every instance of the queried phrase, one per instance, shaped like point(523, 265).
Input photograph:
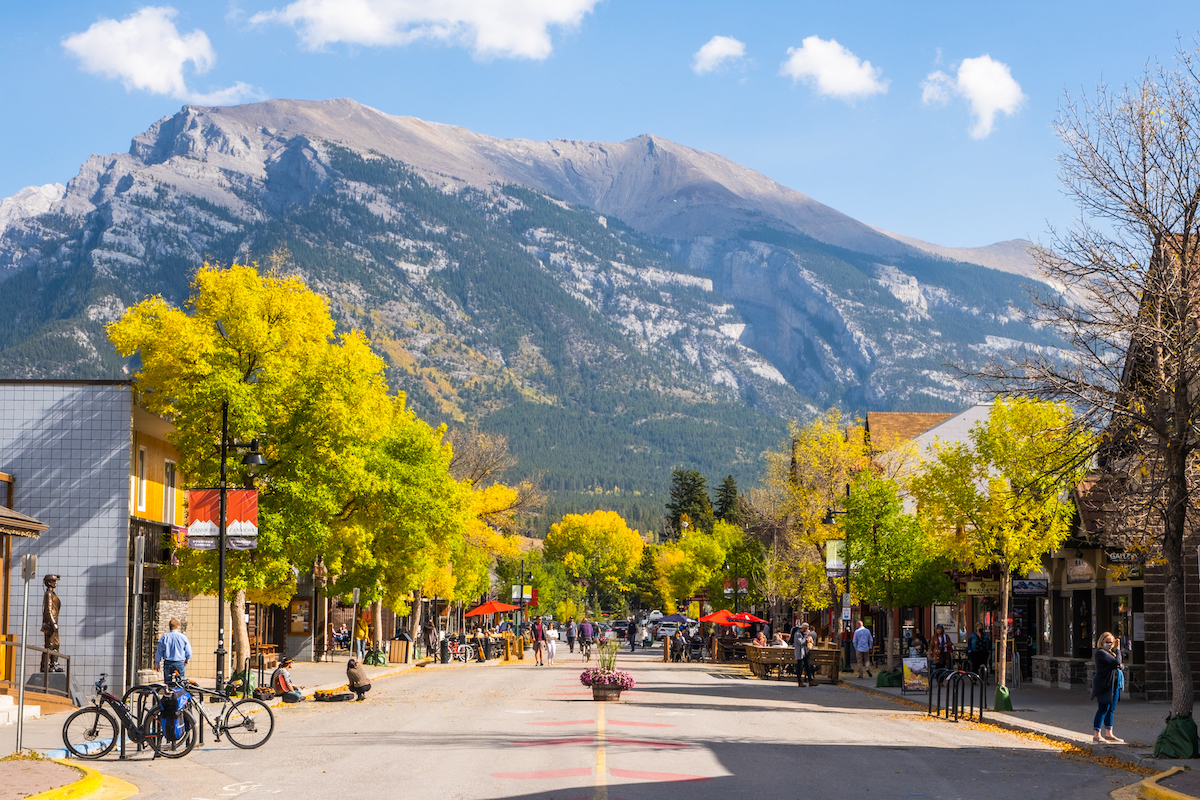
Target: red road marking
point(568, 722)
point(555, 742)
point(545, 774)
point(637, 774)
point(569, 694)
point(646, 743)
point(636, 724)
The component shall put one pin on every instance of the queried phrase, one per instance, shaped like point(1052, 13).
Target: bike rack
point(957, 683)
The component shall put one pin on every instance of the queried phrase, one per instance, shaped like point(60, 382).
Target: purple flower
point(605, 677)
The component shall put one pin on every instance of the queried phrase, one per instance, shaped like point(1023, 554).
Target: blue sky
point(931, 119)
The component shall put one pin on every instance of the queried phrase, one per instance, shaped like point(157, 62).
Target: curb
point(88, 784)
point(1150, 790)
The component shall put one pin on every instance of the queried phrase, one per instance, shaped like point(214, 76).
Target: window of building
point(169, 493)
point(141, 479)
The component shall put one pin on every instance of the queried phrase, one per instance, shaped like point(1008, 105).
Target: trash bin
point(445, 651)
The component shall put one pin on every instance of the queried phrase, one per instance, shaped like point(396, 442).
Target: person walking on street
point(356, 678)
point(538, 634)
point(802, 643)
point(572, 632)
point(173, 653)
point(1104, 689)
point(551, 643)
point(979, 649)
point(631, 635)
point(863, 640)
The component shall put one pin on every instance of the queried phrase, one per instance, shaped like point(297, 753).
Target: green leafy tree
point(597, 550)
point(727, 507)
point(896, 561)
point(1001, 499)
point(689, 499)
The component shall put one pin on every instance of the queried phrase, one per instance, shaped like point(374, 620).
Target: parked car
point(665, 629)
point(655, 615)
point(621, 628)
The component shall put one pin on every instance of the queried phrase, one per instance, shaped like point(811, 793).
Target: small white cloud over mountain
point(145, 51)
point(490, 28)
point(717, 52)
point(832, 70)
point(986, 84)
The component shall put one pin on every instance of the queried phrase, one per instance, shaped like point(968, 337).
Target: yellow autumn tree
point(596, 549)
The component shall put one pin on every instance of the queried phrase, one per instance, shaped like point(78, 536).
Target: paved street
point(691, 731)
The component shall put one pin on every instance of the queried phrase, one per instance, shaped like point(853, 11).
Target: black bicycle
point(93, 732)
point(247, 723)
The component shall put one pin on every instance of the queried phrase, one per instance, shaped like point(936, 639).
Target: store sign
point(204, 519)
point(983, 588)
point(1080, 571)
point(1030, 587)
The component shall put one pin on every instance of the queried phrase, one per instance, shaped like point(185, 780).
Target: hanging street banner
point(204, 519)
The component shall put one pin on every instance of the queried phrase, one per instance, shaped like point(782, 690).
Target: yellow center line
point(601, 792)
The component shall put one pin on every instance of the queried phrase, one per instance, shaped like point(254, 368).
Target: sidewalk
point(1066, 716)
point(44, 735)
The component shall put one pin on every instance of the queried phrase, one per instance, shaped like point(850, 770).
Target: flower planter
point(606, 693)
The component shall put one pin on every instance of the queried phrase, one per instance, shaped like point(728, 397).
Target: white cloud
point(716, 53)
point(491, 28)
point(833, 70)
point(146, 51)
point(986, 84)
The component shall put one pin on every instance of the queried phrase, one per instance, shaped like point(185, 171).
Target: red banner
point(241, 519)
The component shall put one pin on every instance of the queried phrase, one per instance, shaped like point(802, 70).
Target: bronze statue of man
point(50, 606)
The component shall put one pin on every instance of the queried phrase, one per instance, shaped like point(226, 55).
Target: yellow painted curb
point(1150, 790)
point(90, 782)
point(114, 789)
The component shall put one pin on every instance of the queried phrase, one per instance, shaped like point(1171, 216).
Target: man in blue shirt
point(862, 645)
point(174, 651)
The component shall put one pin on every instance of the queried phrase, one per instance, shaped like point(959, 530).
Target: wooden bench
point(827, 663)
point(764, 660)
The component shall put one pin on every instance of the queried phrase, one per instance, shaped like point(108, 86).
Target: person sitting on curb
point(281, 682)
point(360, 684)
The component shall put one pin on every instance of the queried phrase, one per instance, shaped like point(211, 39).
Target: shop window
point(141, 479)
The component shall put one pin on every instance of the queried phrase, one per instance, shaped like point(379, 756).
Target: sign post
point(28, 572)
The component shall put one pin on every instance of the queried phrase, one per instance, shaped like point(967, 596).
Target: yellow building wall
point(158, 453)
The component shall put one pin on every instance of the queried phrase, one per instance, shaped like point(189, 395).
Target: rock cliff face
point(639, 278)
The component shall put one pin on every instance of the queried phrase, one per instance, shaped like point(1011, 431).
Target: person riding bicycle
point(281, 682)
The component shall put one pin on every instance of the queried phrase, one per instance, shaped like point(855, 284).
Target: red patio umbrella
point(490, 607)
point(723, 617)
point(744, 617)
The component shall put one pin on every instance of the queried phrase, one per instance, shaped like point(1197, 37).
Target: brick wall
point(1158, 680)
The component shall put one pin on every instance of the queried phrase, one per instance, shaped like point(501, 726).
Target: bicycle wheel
point(90, 733)
point(248, 724)
point(171, 748)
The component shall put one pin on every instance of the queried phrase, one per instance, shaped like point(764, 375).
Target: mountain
point(617, 309)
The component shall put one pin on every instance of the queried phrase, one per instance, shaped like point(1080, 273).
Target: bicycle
point(93, 726)
point(585, 649)
point(247, 723)
point(462, 652)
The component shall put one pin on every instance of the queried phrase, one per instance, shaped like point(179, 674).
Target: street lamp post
point(251, 459)
point(846, 559)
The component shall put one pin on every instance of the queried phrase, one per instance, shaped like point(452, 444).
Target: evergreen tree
point(689, 497)
point(727, 501)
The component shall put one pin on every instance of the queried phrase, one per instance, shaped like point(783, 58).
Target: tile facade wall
point(68, 446)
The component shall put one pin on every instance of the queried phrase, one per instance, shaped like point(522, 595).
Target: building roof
point(14, 523)
point(889, 428)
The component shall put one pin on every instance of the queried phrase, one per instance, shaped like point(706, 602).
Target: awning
point(14, 523)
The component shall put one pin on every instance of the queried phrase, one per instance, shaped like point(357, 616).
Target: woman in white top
point(551, 643)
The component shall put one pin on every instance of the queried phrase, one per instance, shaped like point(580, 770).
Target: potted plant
point(606, 680)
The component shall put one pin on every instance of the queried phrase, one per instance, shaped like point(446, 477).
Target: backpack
point(172, 705)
